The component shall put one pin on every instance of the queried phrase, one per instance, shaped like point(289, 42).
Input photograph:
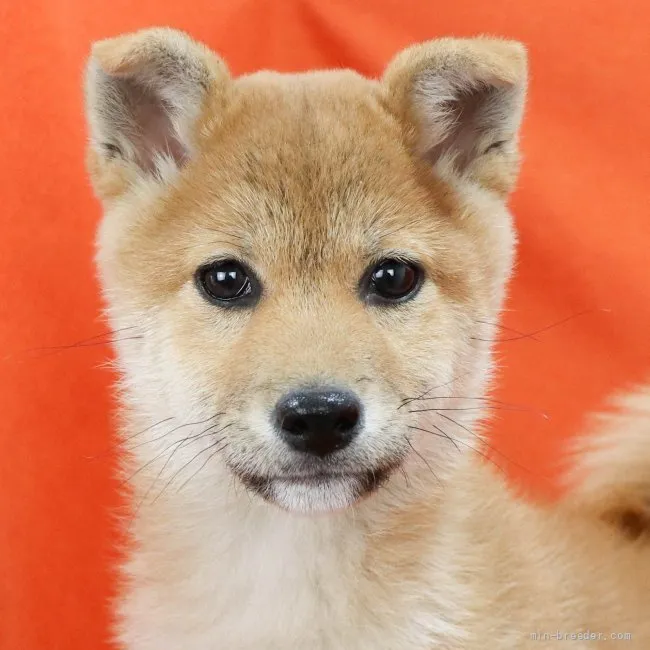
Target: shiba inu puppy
point(304, 274)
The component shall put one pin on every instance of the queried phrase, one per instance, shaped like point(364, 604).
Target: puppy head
point(311, 264)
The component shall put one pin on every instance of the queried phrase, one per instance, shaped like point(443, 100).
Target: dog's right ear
point(147, 95)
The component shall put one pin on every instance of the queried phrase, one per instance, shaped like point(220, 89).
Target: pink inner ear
point(158, 137)
point(470, 117)
point(150, 127)
point(461, 131)
point(462, 118)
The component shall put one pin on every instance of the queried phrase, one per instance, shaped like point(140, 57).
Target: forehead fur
point(297, 173)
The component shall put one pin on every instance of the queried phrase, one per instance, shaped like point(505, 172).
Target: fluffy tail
point(611, 476)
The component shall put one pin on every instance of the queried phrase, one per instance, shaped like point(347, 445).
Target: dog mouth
point(317, 491)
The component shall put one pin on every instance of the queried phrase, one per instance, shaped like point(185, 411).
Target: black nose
point(318, 421)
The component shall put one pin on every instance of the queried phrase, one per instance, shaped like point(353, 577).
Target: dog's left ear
point(461, 102)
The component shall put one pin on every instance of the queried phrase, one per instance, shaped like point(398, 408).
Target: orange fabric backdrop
point(581, 209)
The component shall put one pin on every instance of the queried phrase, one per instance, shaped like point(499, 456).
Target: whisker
point(430, 390)
point(157, 456)
point(121, 442)
point(139, 433)
point(490, 407)
point(424, 460)
point(185, 441)
point(148, 463)
point(541, 330)
point(189, 462)
point(442, 434)
point(462, 442)
point(178, 428)
point(82, 341)
point(407, 480)
point(505, 328)
point(489, 400)
point(136, 510)
point(487, 444)
point(51, 351)
point(205, 462)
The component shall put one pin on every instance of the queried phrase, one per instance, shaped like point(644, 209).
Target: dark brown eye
point(394, 281)
point(226, 282)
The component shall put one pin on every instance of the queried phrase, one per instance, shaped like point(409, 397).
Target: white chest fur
point(257, 578)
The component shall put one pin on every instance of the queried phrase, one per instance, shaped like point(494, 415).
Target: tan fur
point(309, 179)
point(610, 477)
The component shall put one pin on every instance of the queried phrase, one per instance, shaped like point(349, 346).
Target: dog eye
point(226, 282)
point(394, 281)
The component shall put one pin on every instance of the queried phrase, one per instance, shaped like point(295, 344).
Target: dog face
point(296, 261)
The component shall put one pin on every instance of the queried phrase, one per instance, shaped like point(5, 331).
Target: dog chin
point(314, 497)
point(318, 494)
